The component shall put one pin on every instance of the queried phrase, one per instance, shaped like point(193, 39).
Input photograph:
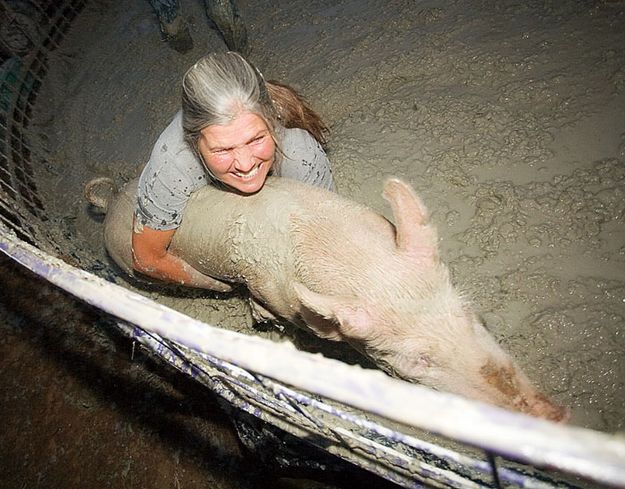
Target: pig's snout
point(517, 393)
point(545, 408)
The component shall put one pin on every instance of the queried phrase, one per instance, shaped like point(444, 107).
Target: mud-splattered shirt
point(173, 172)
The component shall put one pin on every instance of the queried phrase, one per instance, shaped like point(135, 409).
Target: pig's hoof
point(267, 325)
point(262, 326)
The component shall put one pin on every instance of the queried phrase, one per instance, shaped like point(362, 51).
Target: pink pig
point(340, 269)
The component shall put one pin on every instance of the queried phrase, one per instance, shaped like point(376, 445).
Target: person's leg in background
point(173, 26)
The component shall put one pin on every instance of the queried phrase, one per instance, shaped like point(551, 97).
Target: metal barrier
point(408, 434)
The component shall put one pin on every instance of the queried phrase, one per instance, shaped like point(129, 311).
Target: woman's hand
point(151, 257)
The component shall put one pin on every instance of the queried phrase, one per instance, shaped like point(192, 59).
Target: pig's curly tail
point(99, 192)
point(293, 110)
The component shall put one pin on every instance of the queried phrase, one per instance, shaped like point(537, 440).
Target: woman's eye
point(258, 139)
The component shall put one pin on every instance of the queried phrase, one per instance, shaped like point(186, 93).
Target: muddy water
point(508, 119)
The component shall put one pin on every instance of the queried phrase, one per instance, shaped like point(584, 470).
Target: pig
point(346, 273)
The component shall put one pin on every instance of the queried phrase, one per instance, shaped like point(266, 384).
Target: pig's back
point(288, 231)
point(234, 236)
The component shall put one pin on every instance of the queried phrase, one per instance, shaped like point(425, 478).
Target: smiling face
point(240, 153)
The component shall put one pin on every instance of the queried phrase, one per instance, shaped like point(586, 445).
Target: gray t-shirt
point(173, 172)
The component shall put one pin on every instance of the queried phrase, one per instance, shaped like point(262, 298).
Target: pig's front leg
point(259, 312)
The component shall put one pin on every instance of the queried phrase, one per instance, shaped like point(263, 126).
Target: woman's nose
point(244, 160)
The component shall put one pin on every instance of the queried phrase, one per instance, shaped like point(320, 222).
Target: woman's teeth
point(246, 176)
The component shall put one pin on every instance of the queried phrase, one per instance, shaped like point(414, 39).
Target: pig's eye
point(417, 364)
point(411, 367)
point(424, 361)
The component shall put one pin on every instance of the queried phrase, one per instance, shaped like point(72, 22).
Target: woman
point(229, 133)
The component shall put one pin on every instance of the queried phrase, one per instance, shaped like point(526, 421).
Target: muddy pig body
point(345, 272)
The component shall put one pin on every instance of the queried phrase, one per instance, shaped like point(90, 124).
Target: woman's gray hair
point(218, 88)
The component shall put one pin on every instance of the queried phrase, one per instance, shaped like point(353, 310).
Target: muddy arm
point(151, 257)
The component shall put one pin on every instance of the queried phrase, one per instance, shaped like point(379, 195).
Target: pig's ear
point(413, 234)
point(343, 318)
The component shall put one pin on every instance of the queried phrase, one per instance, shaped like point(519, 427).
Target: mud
point(84, 406)
point(506, 117)
point(80, 408)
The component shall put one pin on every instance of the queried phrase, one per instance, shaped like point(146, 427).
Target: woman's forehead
point(240, 130)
